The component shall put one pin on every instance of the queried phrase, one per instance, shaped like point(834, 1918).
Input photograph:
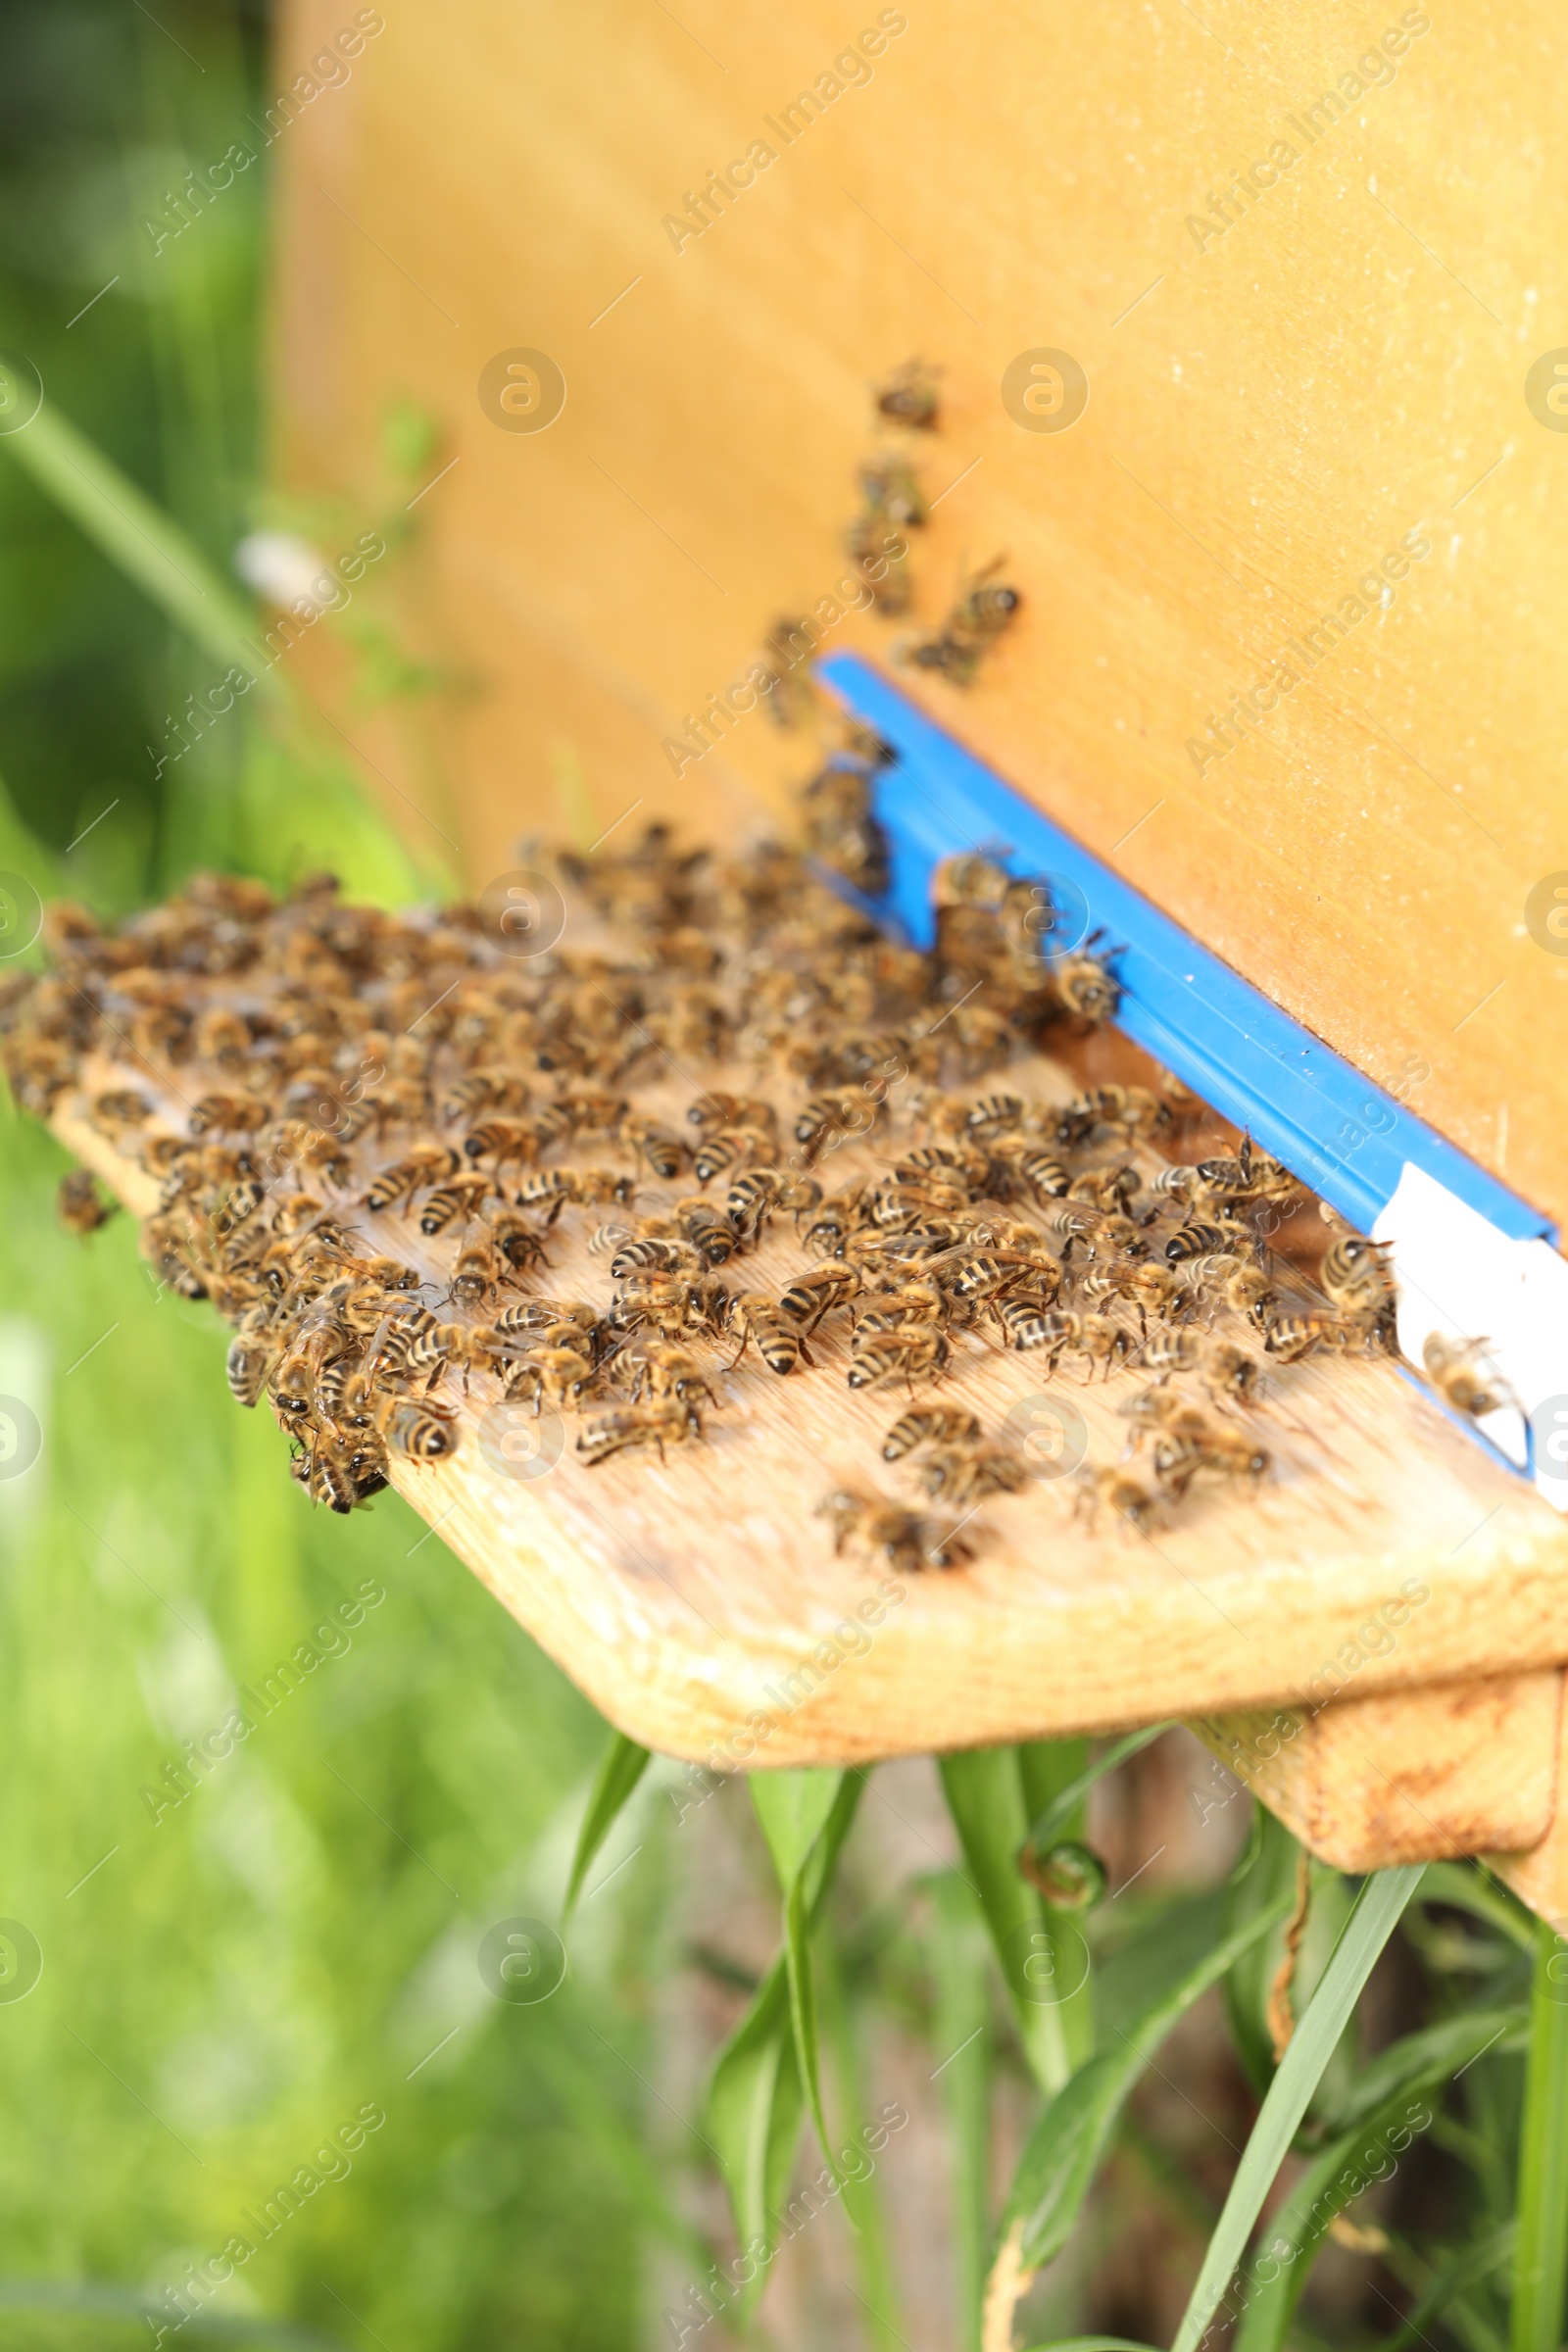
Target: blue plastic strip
point(1329, 1123)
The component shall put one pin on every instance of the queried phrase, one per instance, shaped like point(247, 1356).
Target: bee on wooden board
point(904, 1540)
point(672, 1422)
point(984, 607)
point(1456, 1369)
point(910, 397)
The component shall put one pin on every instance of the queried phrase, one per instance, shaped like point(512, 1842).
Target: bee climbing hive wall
point(1292, 579)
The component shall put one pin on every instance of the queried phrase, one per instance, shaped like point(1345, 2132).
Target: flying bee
point(458, 1199)
point(652, 1146)
point(967, 1474)
point(729, 1147)
point(516, 1239)
point(813, 1295)
point(756, 1315)
point(79, 1206)
point(910, 1352)
point(430, 1164)
point(909, 397)
point(930, 1425)
point(1356, 1278)
point(672, 1422)
point(561, 1376)
point(1453, 1367)
point(586, 1188)
point(903, 1540)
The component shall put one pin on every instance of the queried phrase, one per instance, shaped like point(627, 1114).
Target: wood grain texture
point(1273, 408)
point(1462, 1768)
point(700, 1606)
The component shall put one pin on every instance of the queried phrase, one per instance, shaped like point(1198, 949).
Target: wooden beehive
point(1315, 397)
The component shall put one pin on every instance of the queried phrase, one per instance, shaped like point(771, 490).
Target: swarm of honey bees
point(675, 1101)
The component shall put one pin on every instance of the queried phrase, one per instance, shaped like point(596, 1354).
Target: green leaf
point(1057, 1819)
point(620, 1768)
point(1382, 1900)
point(1093, 2343)
point(1449, 2282)
point(754, 2105)
point(1065, 2150)
point(1540, 2257)
point(984, 1790)
point(1270, 1875)
point(1466, 1887)
point(759, 2085)
point(959, 2039)
point(1387, 2089)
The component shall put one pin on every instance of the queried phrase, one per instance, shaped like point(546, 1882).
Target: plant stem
point(1541, 2259)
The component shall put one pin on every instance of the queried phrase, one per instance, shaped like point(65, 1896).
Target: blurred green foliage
point(236, 1979)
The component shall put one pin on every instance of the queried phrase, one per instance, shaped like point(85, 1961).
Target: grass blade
point(1389, 2093)
point(805, 1816)
point(985, 1796)
point(620, 1768)
point(754, 2105)
point(1064, 2151)
point(1540, 2257)
point(136, 536)
point(1383, 1898)
point(957, 1952)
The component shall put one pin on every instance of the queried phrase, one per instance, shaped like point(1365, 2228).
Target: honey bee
point(713, 1235)
point(491, 1090)
point(229, 1113)
point(830, 1119)
point(249, 1360)
point(516, 1239)
point(1086, 986)
point(1231, 1373)
point(586, 1188)
point(813, 1295)
point(672, 1422)
point(79, 1206)
point(905, 1541)
point(1294, 1337)
point(480, 1267)
point(1063, 1331)
point(661, 1372)
point(756, 1315)
point(431, 1165)
point(1355, 1276)
point(1200, 1241)
point(1042, 1177)
point(421, 1430)
point(1130, 1111)
point(1454, 1369)
point(1131, 1497)
point(967, 1474)
point(118, 1113)
point(729, 1147)
point(754, 1197)
point(910, 1352)
point(985, 606)
point(909, 397)
point(715, 1110)
point(665, 1257)
point(458, 1199)
point(1234, 1282)
point(662, 1155)
point(1173, 1351)
point(930, 1425)
point(561, 1375)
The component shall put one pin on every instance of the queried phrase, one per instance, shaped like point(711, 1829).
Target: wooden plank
point(700, 1606)
point(1280, 402)
point(1462, 1768)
